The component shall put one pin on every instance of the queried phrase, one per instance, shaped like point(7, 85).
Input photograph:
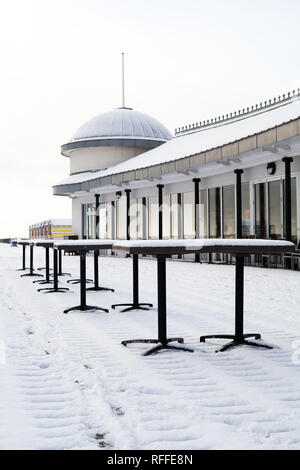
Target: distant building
point(51, 229)
point(124, 161)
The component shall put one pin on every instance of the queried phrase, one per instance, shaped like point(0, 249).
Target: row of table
point(161, 250)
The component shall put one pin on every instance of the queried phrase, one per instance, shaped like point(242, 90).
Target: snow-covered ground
point(67, 383)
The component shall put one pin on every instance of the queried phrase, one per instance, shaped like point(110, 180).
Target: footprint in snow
point(101, 438)
point(118, 411)
point(44, 366)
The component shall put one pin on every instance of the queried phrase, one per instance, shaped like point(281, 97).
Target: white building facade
point(130, 178)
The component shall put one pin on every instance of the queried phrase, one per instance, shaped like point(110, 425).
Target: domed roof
point(123, 123)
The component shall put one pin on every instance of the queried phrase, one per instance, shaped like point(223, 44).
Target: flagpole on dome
point(123, 80)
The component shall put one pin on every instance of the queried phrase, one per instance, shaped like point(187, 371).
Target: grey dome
point(123, 123)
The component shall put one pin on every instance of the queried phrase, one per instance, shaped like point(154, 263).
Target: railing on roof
point(239, 114)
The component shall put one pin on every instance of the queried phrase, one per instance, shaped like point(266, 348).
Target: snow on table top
point(24, 242)
point(204, 242)
point(41, 240)
point(80, 243)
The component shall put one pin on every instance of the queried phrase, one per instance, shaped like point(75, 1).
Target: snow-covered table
point(96, 287)
point(23, 244)
point(135, 304)
point(82, 247)
point(31, 273)
point(47, 244)
point(237, 247)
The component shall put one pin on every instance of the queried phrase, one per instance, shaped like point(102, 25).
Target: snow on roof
point(124, 123)
point(60, 221)
point(203, 139)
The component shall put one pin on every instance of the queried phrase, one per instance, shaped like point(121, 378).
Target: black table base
point(31, 273)
point(236, 342)
point(239, 338)
point(96, 287)
point(42, 281)
point(51, 290)
point(132, 306)
point(135, 305)
point(83, 307)
point(162, 342)
point(160, 346)
point(99, 289)
point(55, 288)
point(77, 281)
point(60, 273)
point(47, 269)
point(63, 274)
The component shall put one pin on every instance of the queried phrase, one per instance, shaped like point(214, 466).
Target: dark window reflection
point(214, 213)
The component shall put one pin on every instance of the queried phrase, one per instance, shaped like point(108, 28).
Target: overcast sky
point(186, 60)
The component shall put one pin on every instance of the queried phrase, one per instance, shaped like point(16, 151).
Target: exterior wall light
point(271, 168)
point(118, 194)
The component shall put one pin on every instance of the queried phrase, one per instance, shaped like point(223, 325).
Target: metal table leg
point(96, 287)
point(163, 341)
point(78, 281)
point(31, 272)
point(239, 338)
point(23, 259)
point(60, 272)
point(135, 305)
point(55, 288)
point(83, 306)
point(47, 269)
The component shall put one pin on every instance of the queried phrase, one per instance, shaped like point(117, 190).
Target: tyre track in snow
point(204, 387)
point(56, 407)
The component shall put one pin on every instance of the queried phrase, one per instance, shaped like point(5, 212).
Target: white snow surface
point(200, 141)
point(61, 221)
point(83, 242)
point(65, 379)
point(192, 244)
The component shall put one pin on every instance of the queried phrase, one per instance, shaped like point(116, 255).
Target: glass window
point(214, 213)
point(102, 221)
point(246, 210)
point(174, 216)
point(109, 221)
point(91, 220)
point(203, 213)
point(274, 209)
point(133, 219)
point(166, 217)
point(188, 215)
point(84, 221)
point(260, 210)
point(121, 218)
point(228, 212)
point(153, 217)
point(141, 222)
point(293, 207)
